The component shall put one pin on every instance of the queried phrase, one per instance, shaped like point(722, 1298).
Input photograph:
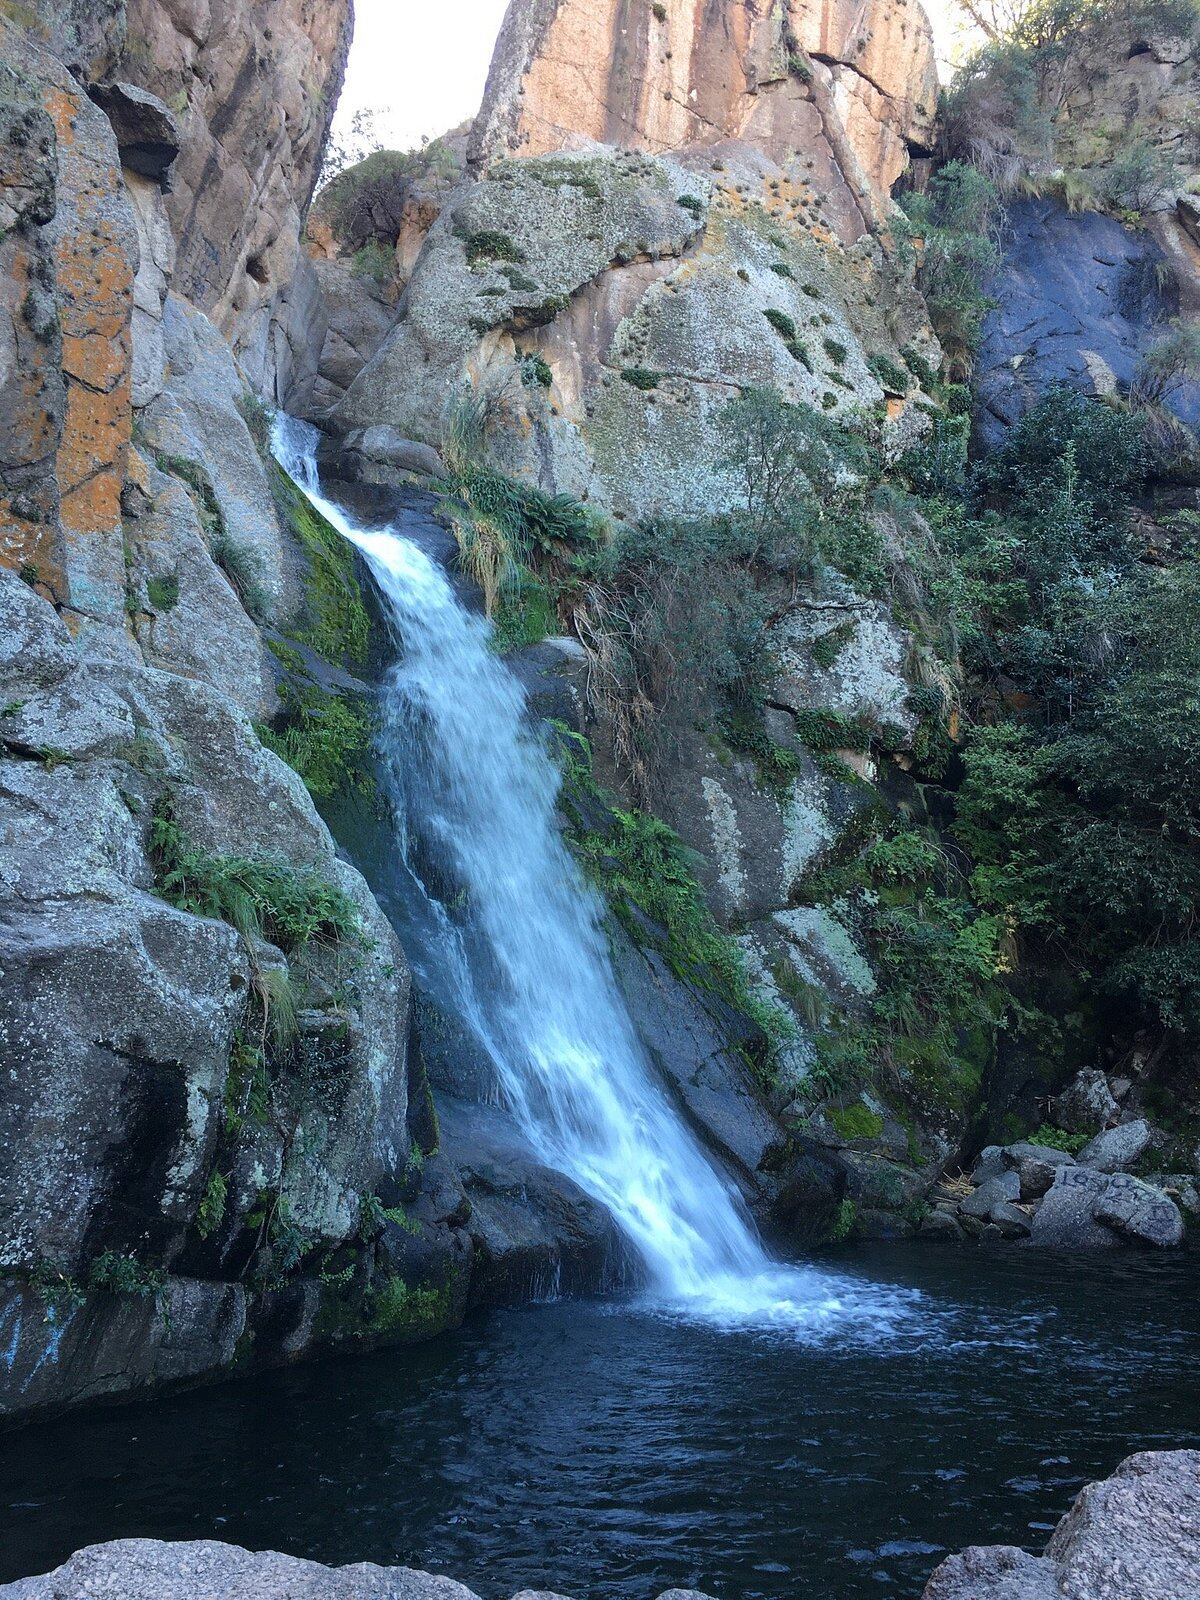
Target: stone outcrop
point(1036, 1193)
point(653, 292)
point(1134, 1536)
point(1081, 299)
point(813, 84)
point(664, 205)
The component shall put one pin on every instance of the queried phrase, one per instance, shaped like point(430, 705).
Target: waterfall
point(516, 936)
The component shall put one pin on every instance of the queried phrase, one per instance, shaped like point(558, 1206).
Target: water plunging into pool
point(516, 936)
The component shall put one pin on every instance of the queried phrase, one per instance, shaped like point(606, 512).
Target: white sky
point(421, 64)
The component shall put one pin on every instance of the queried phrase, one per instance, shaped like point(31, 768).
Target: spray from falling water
point(518, 942)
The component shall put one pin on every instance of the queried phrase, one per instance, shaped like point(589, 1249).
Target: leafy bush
point(956, 219)
point(1058, 1139)
point(641, 377)
point(488, 244)
point(535, 369)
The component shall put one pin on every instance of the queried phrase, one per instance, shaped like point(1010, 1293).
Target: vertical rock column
point(68, 383)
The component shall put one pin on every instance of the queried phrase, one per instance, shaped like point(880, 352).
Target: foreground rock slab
point(1134, 1536)
point(152, 1569)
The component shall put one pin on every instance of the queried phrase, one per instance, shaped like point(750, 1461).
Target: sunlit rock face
point(852, 85)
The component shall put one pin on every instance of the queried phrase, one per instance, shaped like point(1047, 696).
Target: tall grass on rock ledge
point(504, 529)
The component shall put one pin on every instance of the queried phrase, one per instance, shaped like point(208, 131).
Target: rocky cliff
point(222, 1144)
point(708, 216)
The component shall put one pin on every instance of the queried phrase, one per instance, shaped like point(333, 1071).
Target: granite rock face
point(148, 1569)
point(1134, 1536)
point(257, 85)
point(852, 92)
point(1080, 300)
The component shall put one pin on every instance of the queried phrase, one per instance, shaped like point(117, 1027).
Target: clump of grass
point(324, 738)
point(263, 897)
point(163, 592)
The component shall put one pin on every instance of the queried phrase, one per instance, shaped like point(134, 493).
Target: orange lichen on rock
point(95, 260)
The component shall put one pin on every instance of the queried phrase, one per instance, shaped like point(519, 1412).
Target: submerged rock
point(1134, 1536)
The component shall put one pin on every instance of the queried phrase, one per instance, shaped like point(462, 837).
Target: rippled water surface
point(606, 1450)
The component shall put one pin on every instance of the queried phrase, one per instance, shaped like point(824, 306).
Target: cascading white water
point(519, 945)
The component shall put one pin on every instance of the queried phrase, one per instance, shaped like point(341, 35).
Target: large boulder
point(1065, 1219)
point(1087, 1209)
point(1115, 1149)
point(147, 1569)
point(1134, 1536)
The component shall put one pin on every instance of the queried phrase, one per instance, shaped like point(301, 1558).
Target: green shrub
point(641, 377)
point(781, 322)
point(957, 220)
point(374, 262)
point(488, 245)
point(535, 369)
point(1058, 1139)
point(112, 1273)
point(892, 377)
point(211, 1211)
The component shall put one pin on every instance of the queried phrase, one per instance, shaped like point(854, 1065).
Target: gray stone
point(1115, 1149)
point(1133, 1536)
point(1063, 314)
point(1086, 1104)
point(150, 1569)
point(939, 1225)
point(1014, 1154)
point(387, 447)
point(1140, 1212)
point(148, 132)
point(1182, 1187)
point(62, 1353)
point(1037, 1172)
point(1011, 1220)
point(995, 1191)
point(994, 1572)
point(1136, 1535)
point(1065, 1220)
point(535, 1232)
point(991, 1164)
